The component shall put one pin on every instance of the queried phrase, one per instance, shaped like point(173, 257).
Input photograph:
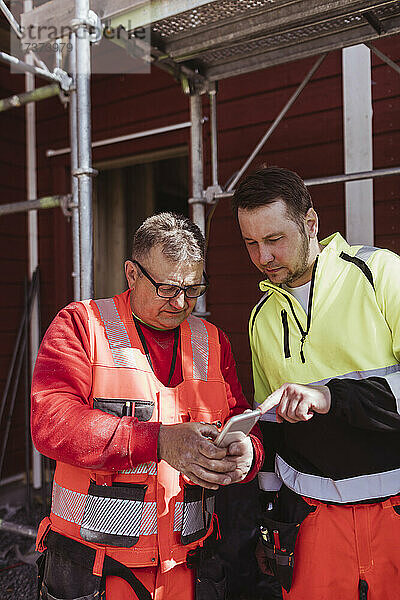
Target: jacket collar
point(335, 243)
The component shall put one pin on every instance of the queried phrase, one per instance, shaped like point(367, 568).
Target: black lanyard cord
point(147, 352)
point(174, 354)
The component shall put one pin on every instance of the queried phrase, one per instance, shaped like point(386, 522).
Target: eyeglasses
point(169, 290)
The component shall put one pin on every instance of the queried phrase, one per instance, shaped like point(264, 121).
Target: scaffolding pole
point(197, 200)
point(33, 245)
point(42, 93)
point(11, 19)
point(73, 127)
point(37, 204)
point(125, 138)
point(353, 176)
point(214, 137)
point(334, 179)
point(84, 172)
point(27, 67)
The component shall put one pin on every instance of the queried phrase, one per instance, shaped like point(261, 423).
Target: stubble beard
point(303, 262)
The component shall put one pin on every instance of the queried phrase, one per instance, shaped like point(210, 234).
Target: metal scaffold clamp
point(66, 205)
point(211, 192)
point(64, 79)
point(93, 25)
point(208, 197)
point(89, 171)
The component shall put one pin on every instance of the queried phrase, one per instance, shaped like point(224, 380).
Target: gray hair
point(181, 240)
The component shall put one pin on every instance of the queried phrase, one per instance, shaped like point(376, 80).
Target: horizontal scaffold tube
point(46, 202)
point(38, 94)
point(334, 179)
point(23, 67)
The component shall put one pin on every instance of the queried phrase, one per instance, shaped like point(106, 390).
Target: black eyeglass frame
point(179, 288)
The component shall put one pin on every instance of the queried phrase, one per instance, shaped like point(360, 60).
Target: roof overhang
point(223, 38)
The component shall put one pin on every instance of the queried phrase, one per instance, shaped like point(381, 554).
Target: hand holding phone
point(237, 428)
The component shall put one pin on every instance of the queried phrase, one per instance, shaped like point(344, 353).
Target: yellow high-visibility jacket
point(350, 341)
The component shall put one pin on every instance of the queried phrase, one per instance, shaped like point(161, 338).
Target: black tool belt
point(279, 529)
point(65, 570)
point(209, 570)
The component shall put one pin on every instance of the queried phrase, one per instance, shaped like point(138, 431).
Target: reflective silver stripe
point(382, 372)
point(352, 489)
point(391, 374)
point(200, 347)
point(394, 382)
point(67, 504)
point(269, 482)
point(365, 252)
point(192, 517)
point(178, 516)
point(149, 468)
point(148, 525)
point(70, 505)
point(113, 516)
point(116, 333)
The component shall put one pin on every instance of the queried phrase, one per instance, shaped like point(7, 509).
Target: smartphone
point(237, 428)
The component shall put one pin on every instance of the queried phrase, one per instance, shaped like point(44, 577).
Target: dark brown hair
point(268, 185)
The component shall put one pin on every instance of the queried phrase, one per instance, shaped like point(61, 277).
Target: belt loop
point(99, 562)
point(216, 524)
point(387, 503)
point(43, 530)
point(311, 501)
point(103, 478)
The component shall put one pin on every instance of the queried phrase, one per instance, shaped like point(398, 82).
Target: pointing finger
point(271, 401)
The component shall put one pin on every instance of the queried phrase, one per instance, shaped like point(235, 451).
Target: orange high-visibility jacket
point(147, 513)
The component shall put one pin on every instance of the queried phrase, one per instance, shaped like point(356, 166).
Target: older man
point(325, 342)
point(128, 394)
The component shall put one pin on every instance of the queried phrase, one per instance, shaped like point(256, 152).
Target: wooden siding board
point(17, 248)
point(13, 226)
point(130, 113)
point(390, 241)
point(318, 96)
point(295, 134)
point(141, 146)
point(114, 88)
point(280, 76)
point(306, 161)
point(12, 271)
point(386, 150)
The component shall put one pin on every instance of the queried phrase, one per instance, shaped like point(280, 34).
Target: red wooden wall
point(309, 140)
point(13, 263)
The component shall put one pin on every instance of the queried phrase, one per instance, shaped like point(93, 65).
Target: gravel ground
point(17, 578)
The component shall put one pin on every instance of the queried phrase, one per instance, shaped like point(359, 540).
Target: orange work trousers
point(176, 584)
point(337, 546)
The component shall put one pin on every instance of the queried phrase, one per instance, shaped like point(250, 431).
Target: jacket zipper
point(285, 326)
point(310, 299)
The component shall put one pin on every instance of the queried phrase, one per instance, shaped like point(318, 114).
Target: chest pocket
point(120, 407)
